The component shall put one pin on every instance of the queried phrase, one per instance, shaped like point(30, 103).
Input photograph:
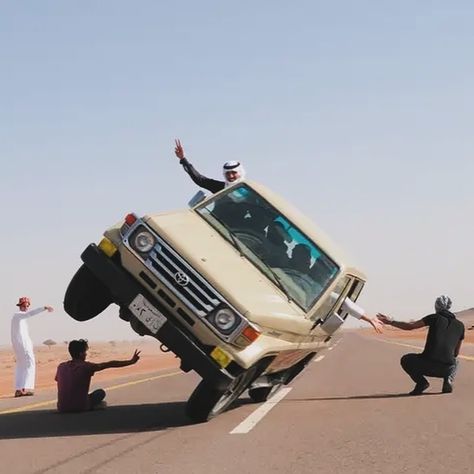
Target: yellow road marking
point(27, 407)
point(418, 347)
point(114, 387)
point(149, 379)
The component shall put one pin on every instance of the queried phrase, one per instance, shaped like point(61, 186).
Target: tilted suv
point(242, 287)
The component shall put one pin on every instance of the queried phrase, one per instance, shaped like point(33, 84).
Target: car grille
point(194, 291)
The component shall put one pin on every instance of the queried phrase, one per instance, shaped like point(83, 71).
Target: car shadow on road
point(114, 419)
point(364, 397)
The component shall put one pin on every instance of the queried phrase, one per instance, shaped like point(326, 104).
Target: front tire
point(86, 296)
point(207, 401)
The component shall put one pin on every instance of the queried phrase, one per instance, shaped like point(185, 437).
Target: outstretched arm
point(374, 322)
point(406, 326)
point(357, 312)
point(34, 312)
point(118, 363)
point(202, 181)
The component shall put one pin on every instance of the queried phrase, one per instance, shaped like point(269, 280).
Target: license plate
point(145, 312)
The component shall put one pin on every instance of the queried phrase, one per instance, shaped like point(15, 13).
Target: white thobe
point(23, 348)
point(348, 305)
point(353, 309)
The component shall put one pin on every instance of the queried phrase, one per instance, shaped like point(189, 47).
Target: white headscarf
point(442, 302)
point(233, 166)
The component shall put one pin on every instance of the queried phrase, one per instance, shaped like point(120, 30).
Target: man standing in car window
point(439, 358)
point(233, 172)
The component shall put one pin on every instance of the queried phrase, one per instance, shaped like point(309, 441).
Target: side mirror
point(332, 323)
point(197, 198)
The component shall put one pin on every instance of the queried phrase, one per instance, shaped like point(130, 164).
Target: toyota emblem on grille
point(181, 278)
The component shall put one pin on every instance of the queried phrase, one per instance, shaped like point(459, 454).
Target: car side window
point(353, 293)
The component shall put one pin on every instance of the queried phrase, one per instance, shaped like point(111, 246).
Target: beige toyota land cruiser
point(242, 287)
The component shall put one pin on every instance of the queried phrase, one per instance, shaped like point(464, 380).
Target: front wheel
point(207, 401)
point(86, 296)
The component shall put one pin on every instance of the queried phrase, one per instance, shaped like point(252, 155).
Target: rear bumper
point(125, 288)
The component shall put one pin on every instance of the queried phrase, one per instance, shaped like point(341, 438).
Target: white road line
point(250, 422)
point(319, 358)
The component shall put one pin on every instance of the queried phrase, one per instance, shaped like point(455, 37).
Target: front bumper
point(125, 288)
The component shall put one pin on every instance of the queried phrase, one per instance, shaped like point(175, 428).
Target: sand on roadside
point(152, 359)
point(414, 335)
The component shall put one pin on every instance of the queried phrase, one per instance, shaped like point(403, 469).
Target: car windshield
point(271, 242)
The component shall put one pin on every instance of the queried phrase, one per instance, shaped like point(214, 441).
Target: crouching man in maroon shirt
point(74, 378)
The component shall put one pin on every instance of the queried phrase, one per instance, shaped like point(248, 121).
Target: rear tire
point(86, 296)
point(207, 401)
point(262, 394)
point(299, 367)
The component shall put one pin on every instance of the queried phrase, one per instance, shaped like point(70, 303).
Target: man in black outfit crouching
point(439, 358)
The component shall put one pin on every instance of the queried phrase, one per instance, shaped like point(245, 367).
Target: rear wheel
point(299, 367)
point(262, 394)
point(86, 296)
point(207, 401)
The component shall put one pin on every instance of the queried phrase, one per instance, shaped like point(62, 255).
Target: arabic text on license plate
point(147, 313)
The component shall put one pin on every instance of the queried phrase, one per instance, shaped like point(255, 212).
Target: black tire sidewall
point(206, 396)
point(262, 394)
point(86, 296)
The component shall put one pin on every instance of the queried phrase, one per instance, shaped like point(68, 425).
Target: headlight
point(143, 241)
point(224, 320)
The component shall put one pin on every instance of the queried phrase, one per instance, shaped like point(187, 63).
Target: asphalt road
point(347, 413)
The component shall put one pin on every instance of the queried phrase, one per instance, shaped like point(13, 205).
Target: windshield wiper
point(236, 243)
point(238, 246)
point(278, 281)
point(233, 238)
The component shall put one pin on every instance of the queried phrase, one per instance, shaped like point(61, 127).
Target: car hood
point(220, 263)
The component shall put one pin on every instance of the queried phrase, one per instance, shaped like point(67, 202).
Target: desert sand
point(466, 316)
point(418, 335)
point(152, 359)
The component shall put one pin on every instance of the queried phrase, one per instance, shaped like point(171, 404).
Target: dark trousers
point(417, 367)
point(95, 398)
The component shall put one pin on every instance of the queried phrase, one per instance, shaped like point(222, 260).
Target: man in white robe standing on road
point(23, 347)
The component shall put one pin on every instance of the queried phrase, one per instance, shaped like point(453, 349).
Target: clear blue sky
point(360, 113)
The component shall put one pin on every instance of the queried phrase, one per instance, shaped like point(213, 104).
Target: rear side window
point(334, 300)
point(354, 292)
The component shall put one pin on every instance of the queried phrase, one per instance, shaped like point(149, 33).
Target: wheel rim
point(226, 398)
point(232, 392)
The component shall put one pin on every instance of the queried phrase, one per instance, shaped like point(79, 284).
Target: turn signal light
point(130, 218)
point(250, 333)
point(221, 357)
point(107, 246)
